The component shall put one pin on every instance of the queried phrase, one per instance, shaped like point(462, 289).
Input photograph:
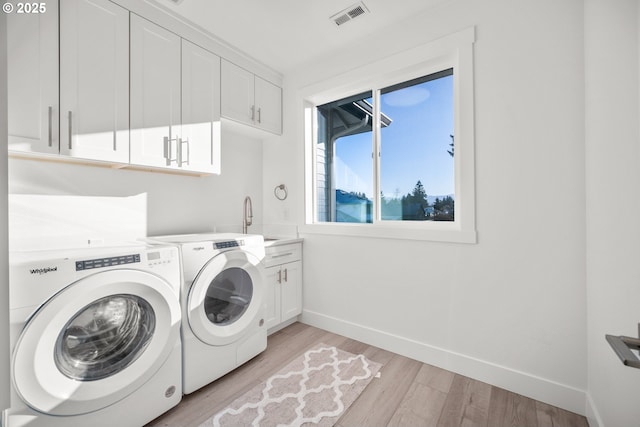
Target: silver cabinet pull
point(167, 150)
point(50, 115)
point(181, 142)
point(259, 115)
point(168, 145)
point(286, 275)
point(70, 131)
point(279, 276)
point(253, 113)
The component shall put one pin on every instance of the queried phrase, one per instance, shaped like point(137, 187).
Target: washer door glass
point(104, 337)
point(228, 296)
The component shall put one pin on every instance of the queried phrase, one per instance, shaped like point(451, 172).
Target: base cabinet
point(284, 283)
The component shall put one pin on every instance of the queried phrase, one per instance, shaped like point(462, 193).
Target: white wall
point(510, 310)
point(4, 256)
point(176, 203)
point(613, 232)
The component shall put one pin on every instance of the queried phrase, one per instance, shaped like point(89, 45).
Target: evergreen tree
point(415, 203)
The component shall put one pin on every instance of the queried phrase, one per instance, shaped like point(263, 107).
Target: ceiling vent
point(350, 13)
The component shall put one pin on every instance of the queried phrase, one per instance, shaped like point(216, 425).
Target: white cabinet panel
point(249, 99)
point(237, 93)
point(268, 106)
point(199, 149)
point(155, 94)
point(94, 80)
point(272, 297)
point(283, 275)
point(32, 80)
point(291, 290)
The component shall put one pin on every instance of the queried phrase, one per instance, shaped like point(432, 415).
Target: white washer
point(222, 300)
point(95, 336)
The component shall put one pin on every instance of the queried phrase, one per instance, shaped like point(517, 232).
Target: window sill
point(433, 232)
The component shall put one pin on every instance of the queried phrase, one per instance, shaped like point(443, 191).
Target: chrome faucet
point(247, 220)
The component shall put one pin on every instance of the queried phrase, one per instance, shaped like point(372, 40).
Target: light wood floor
point(408, 392)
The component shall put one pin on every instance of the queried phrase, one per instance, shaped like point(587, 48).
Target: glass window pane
point(417, 149)
point(344, 164)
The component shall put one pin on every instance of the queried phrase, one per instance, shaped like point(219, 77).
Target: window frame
point(452, 51)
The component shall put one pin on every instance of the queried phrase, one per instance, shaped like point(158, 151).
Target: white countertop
point(277, 241)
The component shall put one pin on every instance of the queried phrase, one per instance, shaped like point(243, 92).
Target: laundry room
point(516, 280)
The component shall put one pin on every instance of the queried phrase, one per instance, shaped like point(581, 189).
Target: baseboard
point(593, 416)
point(544, 390)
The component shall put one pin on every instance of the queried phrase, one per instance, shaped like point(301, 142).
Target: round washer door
point(95, 342)
point(226, 298)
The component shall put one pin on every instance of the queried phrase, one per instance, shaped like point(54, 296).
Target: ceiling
point(284, 34)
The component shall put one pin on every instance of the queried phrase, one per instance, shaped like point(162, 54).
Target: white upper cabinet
point(251, 100)
point(94, 80)
point(90, 81)
point(199, 149)
point(268, 106)
point(155, 95)
point(32, 50)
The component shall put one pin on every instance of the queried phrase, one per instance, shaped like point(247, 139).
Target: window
point(416, 154)
point(395, 157)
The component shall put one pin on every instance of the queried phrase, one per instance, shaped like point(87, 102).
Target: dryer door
point(95, 342)
point(226, 298)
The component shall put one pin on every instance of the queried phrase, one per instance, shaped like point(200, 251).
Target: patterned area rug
point(314, 389)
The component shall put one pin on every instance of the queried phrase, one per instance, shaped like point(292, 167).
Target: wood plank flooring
point(408, 393)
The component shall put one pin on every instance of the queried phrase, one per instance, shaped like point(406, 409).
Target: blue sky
point(414, 147)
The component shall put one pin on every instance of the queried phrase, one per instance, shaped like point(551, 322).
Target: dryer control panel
point(228, 244)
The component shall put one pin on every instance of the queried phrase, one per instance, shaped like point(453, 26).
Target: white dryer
point(95, 336)
point(222, 300)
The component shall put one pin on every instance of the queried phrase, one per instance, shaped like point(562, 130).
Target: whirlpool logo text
point(44, 270)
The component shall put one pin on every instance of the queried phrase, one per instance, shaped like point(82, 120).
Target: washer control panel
point(107, 262)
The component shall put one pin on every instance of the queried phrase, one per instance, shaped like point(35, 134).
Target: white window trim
point(452, 51)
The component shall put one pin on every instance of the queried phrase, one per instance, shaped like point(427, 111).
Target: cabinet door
point(291, 290)
point(155, 94)
point(268, 106)
point(94, 80)
point(32, 67)
point(200, 140)
point(237, 93)
point(273, 278)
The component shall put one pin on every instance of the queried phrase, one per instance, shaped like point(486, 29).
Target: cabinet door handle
point(70, 131)
point(50, 116)
point(253, 112)
point(180, 151)
point(285, 275)
point(168, 145)
point(259, 115)
point(167, 150)
point(279, 276)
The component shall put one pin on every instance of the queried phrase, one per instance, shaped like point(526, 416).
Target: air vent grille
point(356, 12)
point(349, 14)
